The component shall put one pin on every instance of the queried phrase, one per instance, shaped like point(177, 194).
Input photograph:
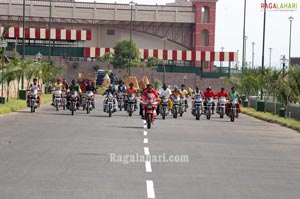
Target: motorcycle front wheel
point(149, 120)
point(109, 110)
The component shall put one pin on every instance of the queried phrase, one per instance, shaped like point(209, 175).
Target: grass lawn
point(269, 117)
point(15, 104)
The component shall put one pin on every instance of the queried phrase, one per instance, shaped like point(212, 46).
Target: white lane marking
point(145, 124)
point(146, 151)
point(150, 189)
point(145, 133)
point(148, 166)
point(145, 140)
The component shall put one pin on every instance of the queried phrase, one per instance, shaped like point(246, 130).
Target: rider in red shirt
point(149, 89)
point(209, 93)
point(222, 93)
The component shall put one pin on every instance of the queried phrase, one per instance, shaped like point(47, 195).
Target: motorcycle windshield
point(131, 97)
point(150, 98)
point(234, 101)
point(222, 100)
point(34, 91)
point(198, 98)
point(89, 93)
point(74, 94)
point(210, 100)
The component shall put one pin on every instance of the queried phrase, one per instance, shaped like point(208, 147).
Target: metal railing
point(91, 5)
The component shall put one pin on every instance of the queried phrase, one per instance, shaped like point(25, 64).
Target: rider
point(148, 90)
point(57, 85)
point(222, 93)
point(166, 92)
point(90, 87)
point(34, 84)
point(209, 93)
point(73, 87)
point(131, 90)
point(66, 85)
point(184, 93)
point(121, 87)
point(194, 93)
point(110, 91)
point(233, 95)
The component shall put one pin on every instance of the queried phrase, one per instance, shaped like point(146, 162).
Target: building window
point(110, 32)
point(205, 14)
point(204, 38)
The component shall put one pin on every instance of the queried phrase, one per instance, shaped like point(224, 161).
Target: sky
point(229, 28)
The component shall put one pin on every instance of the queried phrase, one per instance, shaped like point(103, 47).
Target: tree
point(152, 63)
point(294, 82)
point(8, 76)
point(106, 58)
point(121, 57)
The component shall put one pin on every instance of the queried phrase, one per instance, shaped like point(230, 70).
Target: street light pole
point(131, 3)
point(164, 64)
point(253, 54)
point(245, 51)
point(270, 57)
point(244, 29)
point(23, 45)
point(263, 47)
point(290, 19)
point(221, 63)
point(50, 16)
point(3, 45)
point(283, 59)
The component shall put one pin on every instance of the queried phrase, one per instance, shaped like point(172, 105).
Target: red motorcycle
point(149, 105)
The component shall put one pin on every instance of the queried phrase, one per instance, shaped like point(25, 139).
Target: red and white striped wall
point(179, 55)
point(43, 33)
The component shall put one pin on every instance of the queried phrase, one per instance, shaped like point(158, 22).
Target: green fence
point(191, 69)
point(55, 51)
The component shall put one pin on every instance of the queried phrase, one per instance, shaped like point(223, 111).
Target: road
point(51, 155)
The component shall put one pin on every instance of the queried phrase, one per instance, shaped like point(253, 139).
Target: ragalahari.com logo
point(279, 6)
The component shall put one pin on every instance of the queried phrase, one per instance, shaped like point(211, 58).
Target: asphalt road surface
point(53, 155)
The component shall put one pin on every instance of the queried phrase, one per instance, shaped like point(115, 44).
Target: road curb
point(272, 121)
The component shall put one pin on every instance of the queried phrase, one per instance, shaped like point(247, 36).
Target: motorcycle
point(221, 107)
point(64, 99)
point(233, 111)
point(182, 107)
point(57, 98)
point(33, 102)
point(130, 105)
point(149, 105)
point(73, 103)
point(109, 104)
point(198, 106)
point(176, 106)
point(88, 101)
point(209, 105)
point(164, 107)
point(120, 99)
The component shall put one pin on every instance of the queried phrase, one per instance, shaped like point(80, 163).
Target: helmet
point(73, 80)
point(175, 87)
point(58, 79)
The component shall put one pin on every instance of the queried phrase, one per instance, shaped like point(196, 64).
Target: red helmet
point(58, 79)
